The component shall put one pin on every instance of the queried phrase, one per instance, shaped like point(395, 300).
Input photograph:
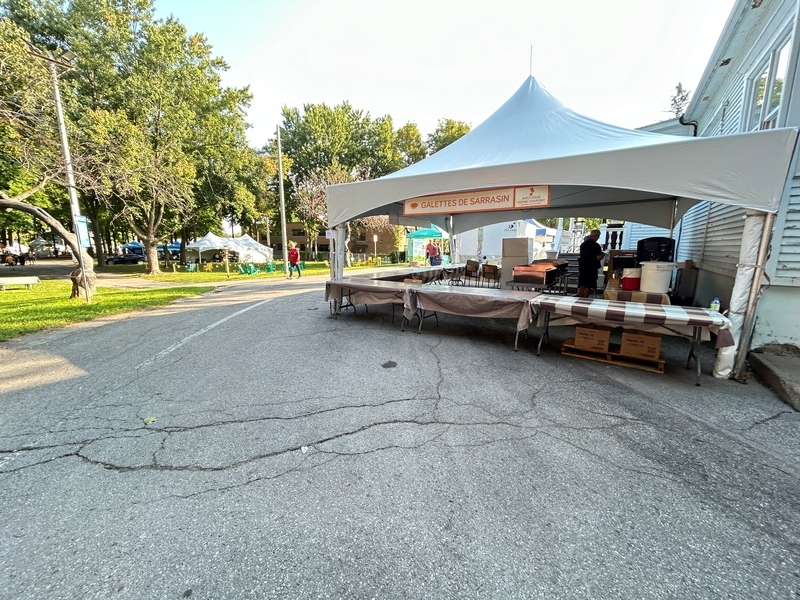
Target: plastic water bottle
point(715, 304)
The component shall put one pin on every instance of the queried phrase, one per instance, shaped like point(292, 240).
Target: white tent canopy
point(209, 241)
point(248, 249)
point(593, 169)
point(253, 251)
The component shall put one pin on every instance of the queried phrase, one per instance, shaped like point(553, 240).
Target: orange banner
point(533, 196)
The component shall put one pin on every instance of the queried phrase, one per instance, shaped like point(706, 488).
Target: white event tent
point(593, 169)
point(253, 251)
point(248, 249)
point(575, 166)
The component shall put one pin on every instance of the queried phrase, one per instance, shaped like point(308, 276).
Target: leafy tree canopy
point(446, 132)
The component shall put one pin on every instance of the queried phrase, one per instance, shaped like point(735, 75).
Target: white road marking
point(205, 329)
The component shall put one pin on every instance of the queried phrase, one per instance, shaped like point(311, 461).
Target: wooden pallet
point(613, 357)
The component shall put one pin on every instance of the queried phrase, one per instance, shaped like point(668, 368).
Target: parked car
point(125, 259)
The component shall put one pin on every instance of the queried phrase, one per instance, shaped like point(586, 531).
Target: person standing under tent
point(588, 264)
point(294, 259)
point(432, 250)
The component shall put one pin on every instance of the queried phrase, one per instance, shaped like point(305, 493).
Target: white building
point(750, 83)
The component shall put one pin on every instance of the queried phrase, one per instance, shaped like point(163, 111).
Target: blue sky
point(422, 60)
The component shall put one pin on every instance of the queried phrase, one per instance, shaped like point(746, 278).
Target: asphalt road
point(244, 444)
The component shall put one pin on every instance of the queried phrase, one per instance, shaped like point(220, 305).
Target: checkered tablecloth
point(637, 315)
point(635, 296)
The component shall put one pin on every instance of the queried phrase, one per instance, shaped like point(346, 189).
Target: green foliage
point(47, 305)
point(29, 142)
point(410, 145)
point(160, 143)
point(446, 132)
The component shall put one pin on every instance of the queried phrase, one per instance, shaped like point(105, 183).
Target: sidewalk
point(779, 372)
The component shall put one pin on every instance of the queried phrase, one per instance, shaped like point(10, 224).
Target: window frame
point(768, 118)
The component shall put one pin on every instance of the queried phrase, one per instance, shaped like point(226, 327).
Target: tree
point(329, 145)
point(161, 141)
point(176, 140)
point(409, 143)
point(446, 132)
point(312, 199)
point(679, 100)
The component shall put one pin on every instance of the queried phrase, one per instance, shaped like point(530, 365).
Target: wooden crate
point(613, 357)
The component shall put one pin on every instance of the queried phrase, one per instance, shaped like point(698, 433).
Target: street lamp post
point(375, 253)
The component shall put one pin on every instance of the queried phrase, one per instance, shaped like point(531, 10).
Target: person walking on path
point(588, 264)
point(294, 259)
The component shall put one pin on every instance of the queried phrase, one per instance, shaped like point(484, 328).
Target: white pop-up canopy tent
point(534, 157)
point(592, 169)
point(252, 250)
point(209, 241)
point(248, 249)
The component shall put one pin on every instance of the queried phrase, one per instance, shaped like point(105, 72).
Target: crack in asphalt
point(83, 445)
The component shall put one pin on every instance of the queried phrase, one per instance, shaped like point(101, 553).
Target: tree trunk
point(69, 238)
point(151, 252)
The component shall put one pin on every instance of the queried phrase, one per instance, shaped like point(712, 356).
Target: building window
point(362, 237)
point(298, 232)
point(766, 88)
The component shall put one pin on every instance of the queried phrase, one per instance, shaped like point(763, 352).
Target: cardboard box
point(640, 344)
point(592, 338)
point(687, 264)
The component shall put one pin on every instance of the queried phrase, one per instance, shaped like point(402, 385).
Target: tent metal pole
point(752, 301)
point(672, 216)
point(453, 254)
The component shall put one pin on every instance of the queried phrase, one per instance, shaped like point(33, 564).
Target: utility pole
point(285, 239)
point(73, 196)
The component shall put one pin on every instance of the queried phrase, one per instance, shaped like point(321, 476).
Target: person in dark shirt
point(588, 264)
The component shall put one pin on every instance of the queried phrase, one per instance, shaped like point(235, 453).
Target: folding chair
point(471, 271)
point(491, 275)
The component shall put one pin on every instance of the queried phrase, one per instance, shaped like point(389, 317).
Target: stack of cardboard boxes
point(640, 345)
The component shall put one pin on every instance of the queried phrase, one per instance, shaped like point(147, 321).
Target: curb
point(780, 373)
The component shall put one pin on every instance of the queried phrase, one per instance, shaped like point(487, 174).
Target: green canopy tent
point(415, 248)
point(424, 234)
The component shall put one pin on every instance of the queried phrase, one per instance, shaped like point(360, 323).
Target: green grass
point(48, 305)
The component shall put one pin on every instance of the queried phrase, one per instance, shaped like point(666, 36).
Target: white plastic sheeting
point(594, 169)
point(745, 271)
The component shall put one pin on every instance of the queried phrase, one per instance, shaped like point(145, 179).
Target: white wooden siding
point(788, 264)
point(723, 239)
point(637, 231)
point(691, 231)
point(711, 235)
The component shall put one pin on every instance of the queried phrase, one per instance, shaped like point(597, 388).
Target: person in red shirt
point(294, 259)
point(432, 250)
